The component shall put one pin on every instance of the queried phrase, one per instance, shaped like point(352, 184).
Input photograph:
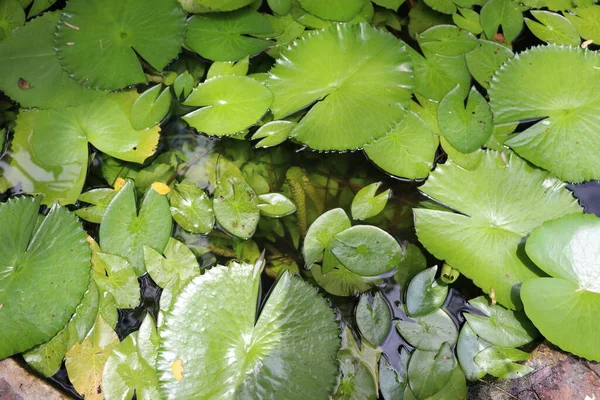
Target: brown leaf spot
point(23, 84)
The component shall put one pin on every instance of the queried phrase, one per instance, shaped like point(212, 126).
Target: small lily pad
point(275, 205)
point(447, 40)
point(236, 208)
point(273, 133)
point(467, 347)
point(425, 294)
point(114, 275)
point(179, 262)
point(499, 362)
point(430, 331)
point(100, 199)
point(485, 59)
point(321, 232)
point(373, 318)
point(366, 204)
point(150, 108)
point(413, 262)
point(336, 10)
point(191, 208)
point(501, 13)
point(339, 281)
point(553, 28)
point(430, 371)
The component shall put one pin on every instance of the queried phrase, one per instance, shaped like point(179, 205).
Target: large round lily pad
point(344, 69)
point(44, 272)
point(540, 84)
point(213, 346)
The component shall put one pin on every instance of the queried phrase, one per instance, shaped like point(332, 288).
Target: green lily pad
point(430, 371)
point(430, 331)
point(150, 108)
point(30, 72)
point(228, 36)
point(425, 294)
point(499, 326)
point(100, 199)
point(38, 262)
point(391, 4)
point(501, 13)
point(335, 10)
point(366, 250)
point(408, 150)
point(191, 208)
point(221, 5)
point(455, 388)
point(366, 204)
point(467, 347)
point(281, 7)
point(275, 205)
point(114, 275)
point(101, 51)
point(500, 202)
point(179, 262)
point(195, 360)
point(229, 104)
point(391, 382)
point(12, 16)
point(373, 318)
point(37, 6)
point(466, 128)
point(553, 28)
point(413, 262)
point(219, 68)
point(586, 19)
point(468, 20)
point(446, 40)
point(498, 361)
point(339, 281)
point(130, 366)
point(569, 125)
point(273, 133)
point(321, 232)
point(345, 69)
point(236, 208)
point(422, 17)
point(183, 84)
point(124, 231)
point(563, 307)
point(485, 59)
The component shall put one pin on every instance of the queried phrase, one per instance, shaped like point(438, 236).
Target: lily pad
point(485, 59)
point(373, 318)
point(501, 13)
point(446, 40)
point(499, 362)
point(38, 262)
point(114, 275)
point(339, 281)
point(275, 205)
point(229, 104)
point(236, 208)
point(553, 28)
point(273, 133)
point(563, 307)
point(228, 36)
point(191, 208)
point(430, 331)
point(12, 16)
point(430, 371)
point(101, 51)
point(467, 347)
point(391, 382)
point(500, 202)
point(336, 10)
point(195, 360)
point(221, 5)
point(124, 231)
point(179, 262)
point(321, 232)
point(413, 262)
point(366, 204)
point(344, 69)
point(30, 72)
point(567, 108)
point(586, 19)
point(425, 294)
point(100, 199)
point(150, 108)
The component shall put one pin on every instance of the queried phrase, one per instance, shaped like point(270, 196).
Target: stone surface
point(556, 376)
point(16, 383)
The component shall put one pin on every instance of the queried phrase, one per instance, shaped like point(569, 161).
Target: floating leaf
point(229, 104)
point(219, 68)
point(430, 371)
point(373, 318)
point(339, 281)
point(553, 28)
point(421, 17)
point(191, 208)
point(28, 56)
point(430, 331)
point(273, 133)
point(85, 361)
point(446, 40)
point(228, 36)
point(563, 307)
point(11, 16)
point(498, 362)
point(485, 60)
point(500, 202)
point(366, 205)
point(587, 21)
point(37, 263)
point(150, 108)
point(501, 13)
point(125, 232)
point(284, 334)
point(455, 389)
point(569, 125)
point(101, 51)
point(391, 4)
point(391, 382)
point(114, 275)
point(345, 69)
point(366, 250)
point(321, 232)
point(236, 208)
point(442, 6)
point(467, 347)
point(275, 205)
point(281, 7)
point(179, 262)
point(38, 6)
point(222, 5)
point(413, 262)
point(100, 199)
point(424, 294)
point(466, 128)
point(467, 19)
point(183, 84)
point(336, 10)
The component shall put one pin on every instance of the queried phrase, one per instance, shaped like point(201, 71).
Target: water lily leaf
point(183, 84)
point(467, 347)
point(553, 28)
point(391, 4)
point(430, 371)
point(12, 16)
point(500, 202)
point(455, 389)
point(366, 204)
point(339, 281)
point(422, 17)
point(191, 208)
point(425, 294)
point(484, 60)
point(436, 75)
point(557, 5)
point(413, 262)
point(203, 355)
point(130, 366)
point(125, 232)
point(569, 122)
point(335, 10)
point(501, 13)
point(466, 128)
point(468, 20)
point(101, 51)
point(321, 232)
point(498, 361)
point(179, 262)
point(562, 307)
point(38, 262)
point(229, 104)
point(446, 40)
point(150, 108)
point(228, 36)
point(442, 6)
point(430, 331)
point(30, 72)
point(391, 382)
point(281, 7)
point(373, 318)
point(366, 250)
point(344, 69)
point(408, 150)
point(38, 6)
point(219, 68)
point(114, 274)
point(467, 161)
point(85, 361)
point(236, 208)
point(273, 133)
point(222, 5)
point(500, 327)
point(100, 199)
point(275, 205)
point(587, 21)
